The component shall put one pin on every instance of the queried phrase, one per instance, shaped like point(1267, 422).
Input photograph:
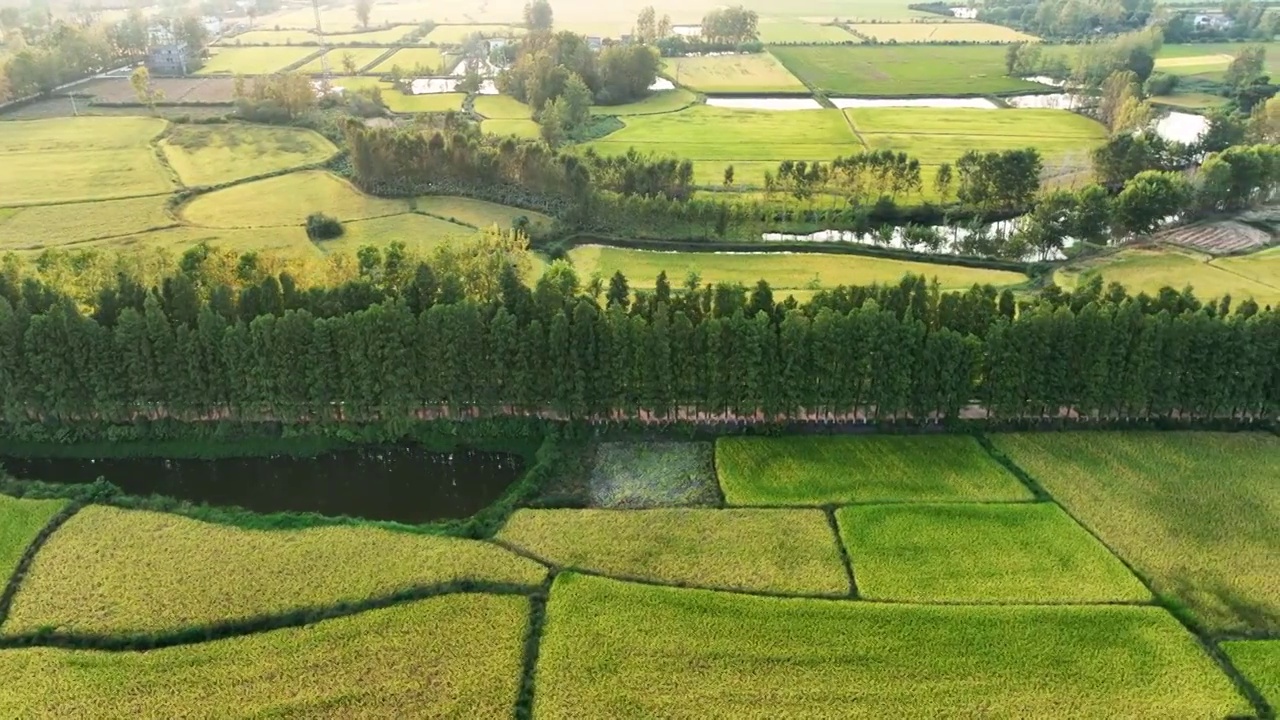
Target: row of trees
point(1068, 19)
point(555, 348)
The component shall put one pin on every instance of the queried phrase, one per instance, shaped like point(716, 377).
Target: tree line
point(407, 337)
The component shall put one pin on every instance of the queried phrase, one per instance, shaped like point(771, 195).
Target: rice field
point(903, 70)
point(526, 129)
point(790, 552)
point(502, 107)
point(253, 60)
point(418, 232)
point(362, 57)
point(38, 227)
point(653, 474)
point(973, 32)
point(113, 571)
point(478, 214)
point(80, 158)
point(784, 271)
point(435, 103)
point(1012, 552)
point(613, 649)
point(755, 73)
point(1149, 269)
point(386, 36)
point(808, 470)
point(410, 58)
point(458, 34)
point(794, 30)
point(20, 522)
point(1259, 661)
point(271, 37)
point(1210, 59)
point(662, 101)
point(215, 154)
point(451, 656)
point(1195, 513)
point(286, 200)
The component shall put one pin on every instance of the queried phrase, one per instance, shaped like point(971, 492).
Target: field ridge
point(845, 559)
point(14, 582)
point(533, 648)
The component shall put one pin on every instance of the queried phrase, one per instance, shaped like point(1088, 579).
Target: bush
point(323, 227)
point(1161, 84)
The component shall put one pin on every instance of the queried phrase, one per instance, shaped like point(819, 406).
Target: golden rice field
point(113, 571)
point(20, 522)
point(215, 154)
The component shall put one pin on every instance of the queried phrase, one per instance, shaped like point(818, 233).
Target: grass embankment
point(1256, 275)
point(1259, 661)
point(755, 73)
point(618, 650)
point(252, 60)
point(453, 656)
point(653, 474)
point(20, 522)
point(113, 571)
point(82, 158)
point(784, 271)
point(790, 552)
point(1196, 513)
point(1023, 552)
point(215, 154)
point(802, 470)
point(903, 70)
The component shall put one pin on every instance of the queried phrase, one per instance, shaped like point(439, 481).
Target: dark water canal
point(400, 483)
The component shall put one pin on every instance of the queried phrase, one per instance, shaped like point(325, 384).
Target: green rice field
point(271, 37)
point(215, 154)
point(614, 649)
point(808, 470)
point(757, 73)
point(1195, 513)
point(521, 128)
point(972, 32)
point(502, 107)
point(903, 70)
point(387, 36)
point(410, 58)
point(435, 103)
point(457, 34)
point(662, 101)
point(20, 522)
point(253, 60)
point(362, 57)
point(1259, 661)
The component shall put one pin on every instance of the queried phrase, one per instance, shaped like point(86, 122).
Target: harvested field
point(176, 90)
point(947, 32)
point(1259, 661)
point(906, 70)
point(362, 57)
point(653, 474)
point(613, 649)
point(253, 60)
point(409, 59)
point(1195, 512)
point(477, 213)
point(1014, 553)
point(806, 470)
point(38, 227)
point(20, 522)
point(286, 200)
point(781, 551)
point(62, 108)
point(662, 101)
point(790, 30)
point(214, 154)
point(113, 571)
point(458, 655)
point(1217, 238)
point(757, 73)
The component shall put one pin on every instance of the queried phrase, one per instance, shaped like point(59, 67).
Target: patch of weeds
point(653, 474)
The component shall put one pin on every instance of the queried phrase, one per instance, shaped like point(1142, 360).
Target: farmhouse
point(167, 55)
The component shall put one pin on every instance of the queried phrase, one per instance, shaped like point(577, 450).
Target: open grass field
point(109, 570)
point(653, 474)
point(905, 70)
point(434, 103)
point(974, 32)
point(759, 72)
point(784, 551)
point(458, 34)
point(451, 656)
point(526, 129)
point(936, 136)
point(502, 107)
point(1258, 660)
point(805, 470)
point(1149, 269)
point(362, 57)
point(1012, 552)
point(253, 60)
point(37, 227)
point(1196, 513)
point(794, 30)
point(410, 58)
point(662, 101)
point(613, 649)
point(20, 522)
point(214, 154)
point(478, 214)
point(286, 200)
point(1210, 59)
point(784, 271)
point(271, 37)
point(67, 159)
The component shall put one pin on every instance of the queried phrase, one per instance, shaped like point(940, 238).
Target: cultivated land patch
point(757, 72)
point(290, 241)
point(940, 32)
point(271, 37)
point(1259, 661)
point(1218, 237)
point(458, 34)
point(1013, 552)
point(418, 232)
point(479, 214)
point(791, 30)
point(1149, 269)
point(253, 60)
point(434, 103)
point(1210, 59)
point(904, 70)
point(661, 101)
point(37, 227)
point(803, 470)
point(20, 522)
point(113, 571)
point(791, 552)
point(287, 200)
point(1261, 267)
point(613, 649)
point(387, 36)
point(452, 656)
point(67, 159)
point(360, 56)
point(1196, 513)
point(214, 154)
point(526, 129)
point(784, 271)
point(502, 107)
point(653, 474)
point(410, 58)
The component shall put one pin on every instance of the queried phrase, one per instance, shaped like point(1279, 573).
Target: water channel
point(398, 483)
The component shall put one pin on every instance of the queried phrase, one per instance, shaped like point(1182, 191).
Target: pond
point(1182, 127)
point(398, 483)
point(1051, 101)
point(925, 102)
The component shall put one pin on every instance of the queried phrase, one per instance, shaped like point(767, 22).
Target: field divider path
point(14, 582)
point(854, 128)
point(1210, 263)
point(1206, 639)
point(378, 60)
point(523, 709)
point(254, 625)
point(845, 559)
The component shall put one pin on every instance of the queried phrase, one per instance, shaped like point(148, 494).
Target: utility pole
point(324, 47)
